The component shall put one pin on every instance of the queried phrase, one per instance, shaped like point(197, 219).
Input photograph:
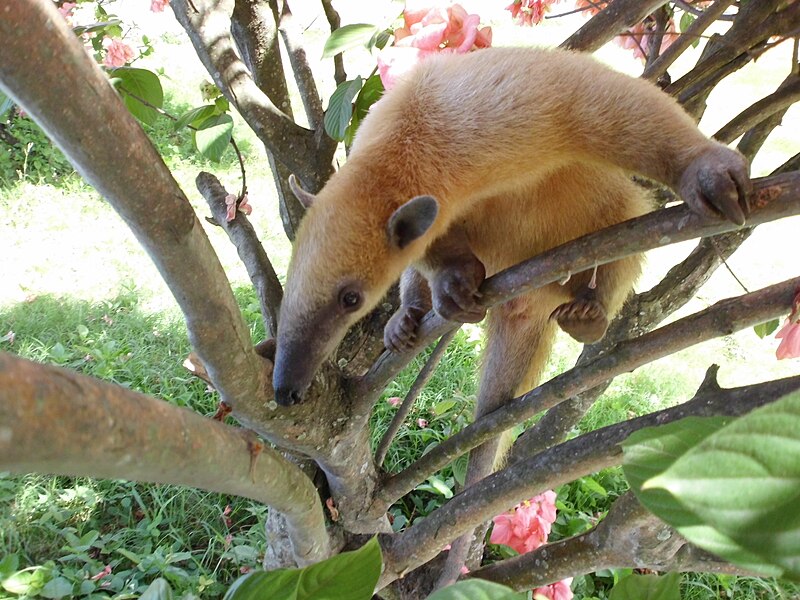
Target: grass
point(69, 296)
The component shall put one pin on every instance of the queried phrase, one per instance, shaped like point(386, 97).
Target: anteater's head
point(349, 250)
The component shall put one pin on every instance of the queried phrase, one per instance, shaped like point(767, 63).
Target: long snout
point(293, 373)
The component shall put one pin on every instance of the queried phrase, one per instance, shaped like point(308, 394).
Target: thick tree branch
point(773, 198)
point(570, 460)
point(254, 257)
point(137, 184)
point(612, 20)
point(207, 22)
point(659, 66)
point(722, 318)
point(145, 439)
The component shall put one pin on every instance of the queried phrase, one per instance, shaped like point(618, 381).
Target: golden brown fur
point(518, 150)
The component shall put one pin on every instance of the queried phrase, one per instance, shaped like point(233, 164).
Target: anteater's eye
point(350, 299)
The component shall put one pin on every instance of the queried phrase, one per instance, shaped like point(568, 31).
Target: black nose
point(287, 396)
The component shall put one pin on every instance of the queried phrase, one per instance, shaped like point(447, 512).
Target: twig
point(702, 12)
point(722, 318)
point(251, 251)
point(419, 383)
point(659, 66)
point(575, 458)
point(335, 22)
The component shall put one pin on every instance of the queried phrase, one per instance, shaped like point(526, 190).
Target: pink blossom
point(560, 590)
point(104, 573)
point(429, 29)
point(67, 9)
point(530, 12)
point(528, 525)
point(118, 53)
point(394, 400)
point(231, 206)
point(637, 38)
point(423, 423)
point(789, 335)
point(158, 5)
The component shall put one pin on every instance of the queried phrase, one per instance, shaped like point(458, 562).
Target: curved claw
point(718, 182)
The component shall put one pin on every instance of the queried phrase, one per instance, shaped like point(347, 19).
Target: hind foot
point(585, 320)
point(400, 332)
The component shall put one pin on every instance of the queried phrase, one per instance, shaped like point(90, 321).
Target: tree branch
point(255, 259)
point(629, 536)
point(302, 71)
point(787, 94)
point(138, 185)
point(659, 66)
point(145, 439)
point(208, 28)
point(773, 198)
point(722, 318)
point(408, 402)
point(613, 19)
point(335, 22)
point(575, 458)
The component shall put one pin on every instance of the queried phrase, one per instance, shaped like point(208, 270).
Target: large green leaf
point(744, 481)
point(340, 108)
point(346, 576)
point(367, 96)
point(648, 587)
point(158, 590)
point(349, 36)
point(196, 116)
point(140, 90)
point(213, 136)
point(652, 451)
point(477, 589)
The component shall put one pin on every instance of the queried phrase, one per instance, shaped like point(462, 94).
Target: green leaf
point(435, 485)
point(348, 36)
point(744, 482)
point(140, 90)
point(6, 104)
point(8, 565)
point(369, 94)
point(764, 329)
point(26, 582)
point(686, 21)
point(195, 116)
point(213, 136)
point(158, 590)
point(58, 587)
point(648, 587)
point(346, 576)
point(477, 589)
point(443, 406)
point(340, 108)
point(653, 450)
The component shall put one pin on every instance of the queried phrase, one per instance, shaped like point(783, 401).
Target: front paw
point(718, 182)
point(400, 332)
point(585, 320)
point(455, 295)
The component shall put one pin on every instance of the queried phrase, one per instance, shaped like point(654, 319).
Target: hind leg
point(519, 339)
point(596, 299)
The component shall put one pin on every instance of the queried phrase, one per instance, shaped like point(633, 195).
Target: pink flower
point(528, 526)
point(590, 7)
point(530, 12)
point(394, 400)
point(118, 53)
point(158, 5)
point(428, 30)
point(104, 573)
point(789, 335)
point(560, 590)
point(66, 10)
point(423, 423)
point(231, 207)
point(637, 38)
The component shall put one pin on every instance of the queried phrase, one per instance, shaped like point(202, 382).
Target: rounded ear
point(411, 220)
point(305, 198)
